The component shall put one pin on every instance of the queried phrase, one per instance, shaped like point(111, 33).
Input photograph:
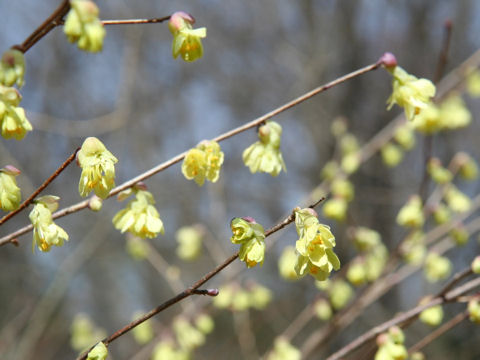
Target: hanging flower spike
point(13, 122)
point(214, 159)
point(411, 214)
point(314, 246)
point(186, 40)
point(189, 240)
point(251, 238)
point(12, 68)
point(140, 216)
point(203, 161)
point(409, 92)
point(10, 194)
point(264, 155)
point(99, 352)
point(98, 170)
point(83, 26)
point(45, 232)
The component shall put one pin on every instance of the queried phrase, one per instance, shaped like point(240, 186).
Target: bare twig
point(32, 197)
point(49, 24)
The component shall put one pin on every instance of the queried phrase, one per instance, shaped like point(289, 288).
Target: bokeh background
point(147, 107)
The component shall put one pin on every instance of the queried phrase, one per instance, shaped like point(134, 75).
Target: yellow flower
point(454, 113)
point(140, 217)
point(283, 350)
point(189, 240)
point(12, 68)
point(99, 352)
point(437, 267)
point(405, 136)
point(432, 316)
point(409, 92)
point(411, 214)
point(143, 332)
point(186, 40)
point(456, 200)
point(188, 337)
point(13, 121)
point(392, 154)
point(314, 246)
point(10, 194)
point(84, 332)
point(98, 170)
point(45, 232)
point(83, 26)
point(264, 155)
point(286, 264)
point(202, 162)
point(335, 208)
point(473, 82)
point(251, 238)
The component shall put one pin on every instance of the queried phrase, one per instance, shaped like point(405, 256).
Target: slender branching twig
point(32, 197)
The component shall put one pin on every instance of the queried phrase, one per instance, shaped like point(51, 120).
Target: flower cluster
point(432, 316)
point(45, 232)
point(10, 194)
point(336, 207)
point(411, 214)
point(409, 92)
point(234, 297)
point(437, 267)
point(264, 155)
point(140, 216)
point(251, 238)
point(83, 26)
point(98, 170)
point(186, 41)
point(314, 246)
point(84, 332)
point(451, 114)
point(391, 345)
point(283, 350)
point(203, 162)
point(286, 264)
point(13, 122)
point(12, 68)
point(99, 352)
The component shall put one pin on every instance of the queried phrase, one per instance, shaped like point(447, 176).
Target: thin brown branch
point(192, 290)
point(136, 21)
point(84, 204)
point(438, 332)
point(49, 24)
point(32, 197)
point(372, 333)
point(455, 280)
point(443, 57)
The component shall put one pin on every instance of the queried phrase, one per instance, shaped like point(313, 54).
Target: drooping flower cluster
point(369, 265)
point(409, 92)
point(84, 332)
point(186, 41)
point(314, 246)
point(203, 162)
point(343, 192)
point(13, 122)
point(264, 155)
point(98, 170)
point(45, 232)
point(283, 350)
point(140, 216)
point(437, 267)
point(12, 68)
point(451, 114)
point(99, 352)
point(236, 298)
point(411, 214)
point(10, 194)
point(432, 316)
point(391, 345)
point(286, 264)
point(83, 26)
point(251, 238)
